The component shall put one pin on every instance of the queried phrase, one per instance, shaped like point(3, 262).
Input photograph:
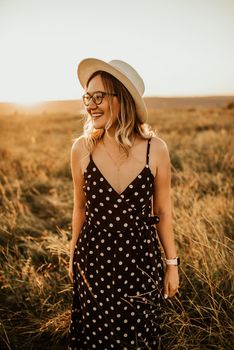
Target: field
point(35, 227)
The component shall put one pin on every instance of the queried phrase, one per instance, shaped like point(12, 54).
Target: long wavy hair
point(127, 124)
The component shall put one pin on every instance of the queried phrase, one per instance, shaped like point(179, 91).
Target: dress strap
point(148, 148)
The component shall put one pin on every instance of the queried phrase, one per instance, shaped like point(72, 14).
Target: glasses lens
point(97, 98)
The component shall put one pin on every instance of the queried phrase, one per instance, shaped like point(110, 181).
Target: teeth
point(96, 115)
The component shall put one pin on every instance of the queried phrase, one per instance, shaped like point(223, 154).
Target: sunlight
point(28, 102)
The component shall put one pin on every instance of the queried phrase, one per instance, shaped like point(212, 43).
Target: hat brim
point(89, 66)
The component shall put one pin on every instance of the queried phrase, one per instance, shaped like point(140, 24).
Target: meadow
point(36, 202)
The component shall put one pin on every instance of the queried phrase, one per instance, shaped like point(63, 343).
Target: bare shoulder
point(79, 148)
point(159, 148)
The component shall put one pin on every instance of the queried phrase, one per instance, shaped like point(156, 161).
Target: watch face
point(178, 261)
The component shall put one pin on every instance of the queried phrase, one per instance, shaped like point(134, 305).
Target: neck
point(109, 135)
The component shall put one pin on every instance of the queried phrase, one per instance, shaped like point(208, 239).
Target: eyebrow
point(91, 93)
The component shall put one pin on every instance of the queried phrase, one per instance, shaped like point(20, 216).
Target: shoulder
point(79, 148)
point(159, 147)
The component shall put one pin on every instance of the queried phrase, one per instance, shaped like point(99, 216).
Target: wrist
point(173, 262)
point(171, 267)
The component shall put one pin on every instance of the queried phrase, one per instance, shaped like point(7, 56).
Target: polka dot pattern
point(117, 267)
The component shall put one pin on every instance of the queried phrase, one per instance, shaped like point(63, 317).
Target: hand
point(171, 281)
point(70, 271)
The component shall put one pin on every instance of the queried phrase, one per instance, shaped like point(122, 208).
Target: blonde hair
point(127, 123)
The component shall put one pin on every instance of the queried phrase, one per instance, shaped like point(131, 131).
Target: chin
point(98, 126)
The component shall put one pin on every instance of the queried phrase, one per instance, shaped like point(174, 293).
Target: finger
point(71, 277)
point(166, 291)
point(174, 292)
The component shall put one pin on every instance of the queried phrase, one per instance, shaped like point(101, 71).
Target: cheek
point(107, 109)
point(115, 108)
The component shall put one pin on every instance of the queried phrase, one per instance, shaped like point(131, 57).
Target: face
point(100, 113)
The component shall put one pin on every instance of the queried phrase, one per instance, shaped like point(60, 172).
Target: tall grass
point(35, 226)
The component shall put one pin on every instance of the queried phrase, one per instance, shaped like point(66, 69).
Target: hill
point(152, 103)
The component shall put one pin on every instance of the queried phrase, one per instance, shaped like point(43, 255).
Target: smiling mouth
point(98, 115)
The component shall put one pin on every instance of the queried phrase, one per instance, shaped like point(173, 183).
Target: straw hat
point(121, 70)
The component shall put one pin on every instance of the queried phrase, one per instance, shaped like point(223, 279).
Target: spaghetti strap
point(148, 148)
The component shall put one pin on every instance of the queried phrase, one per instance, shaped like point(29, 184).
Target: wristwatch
point(175, 261)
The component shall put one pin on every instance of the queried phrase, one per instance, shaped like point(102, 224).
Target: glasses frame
point(91, 97)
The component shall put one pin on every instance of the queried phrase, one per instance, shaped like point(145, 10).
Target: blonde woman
point(122, 208)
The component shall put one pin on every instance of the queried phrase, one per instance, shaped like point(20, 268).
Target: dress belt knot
point(151, 220)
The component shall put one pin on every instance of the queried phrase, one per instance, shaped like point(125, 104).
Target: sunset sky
point(179, 47)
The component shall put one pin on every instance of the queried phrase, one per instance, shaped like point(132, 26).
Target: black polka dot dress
point(118, 267)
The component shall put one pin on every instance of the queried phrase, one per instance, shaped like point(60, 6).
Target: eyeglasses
point(97, 97)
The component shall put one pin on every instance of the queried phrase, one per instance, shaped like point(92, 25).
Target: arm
point(78, 216)
point(162, 207)
point(162, 199)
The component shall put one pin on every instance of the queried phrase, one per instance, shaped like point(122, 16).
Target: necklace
point(118, 165)
point(111, 157)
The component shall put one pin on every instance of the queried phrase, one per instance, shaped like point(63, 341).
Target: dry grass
point(35, 225)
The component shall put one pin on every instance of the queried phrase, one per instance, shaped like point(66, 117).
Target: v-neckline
point(108, 183)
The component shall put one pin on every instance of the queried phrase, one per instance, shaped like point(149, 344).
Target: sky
point(179, 47)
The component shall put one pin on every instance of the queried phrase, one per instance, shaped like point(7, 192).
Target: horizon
point(153, 103)
point(144, 97)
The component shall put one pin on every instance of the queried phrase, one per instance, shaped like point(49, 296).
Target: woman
point(121, 176)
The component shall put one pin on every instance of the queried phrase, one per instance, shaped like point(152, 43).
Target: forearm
point(78, 219)
point(166, 235)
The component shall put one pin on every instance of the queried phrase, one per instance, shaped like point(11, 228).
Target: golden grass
point(35, 225)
